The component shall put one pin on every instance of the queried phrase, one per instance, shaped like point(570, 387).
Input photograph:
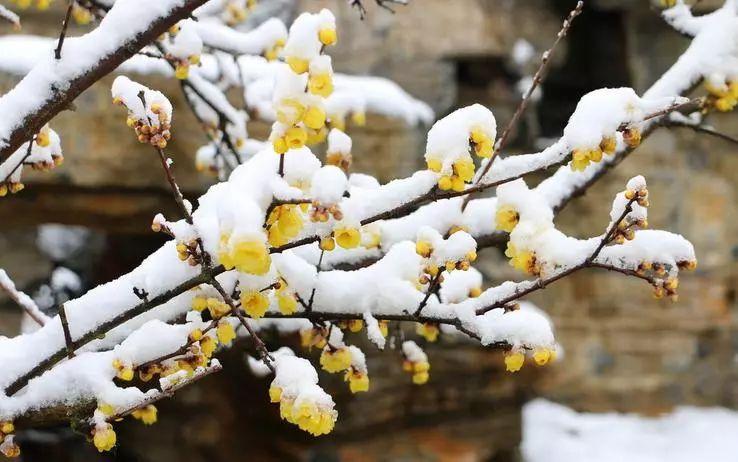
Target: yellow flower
point(506, 218)
point(464, 169)
point(608, 144)
point(290, 220)
point(308, 416)
point(355, 325)
point(335, 360)
point(383, 327)
point(358, 381)
point(327, 36)
point(327, 244)
point(514, 361)
point(287, 303)
point(298, 65)
point(10, 449)
point(295, 137)
point(321, 84)
point(182, 71)
point(316, 136)
point(104, 437)
point(279, 145)
point(726, 104)
point(225, 332)
point(199, 303)
point(482, 143)
point(523, 260)
point(445, 183)
point(248, 256)
point(419, 371)
point(275, 394)
point(146, 414)
point(254, 303)
point(475, 292)
point(208, 345)
point(217, 307)
point(290, 111)
point(420, 378)
point(580, 160)
point(123, 371)
point(423, 248)
point(542, 356)
point(632, 137)
point(434, 165)
point(428, 331)
point(7, 427)
point(314, 118)
point(346, 237)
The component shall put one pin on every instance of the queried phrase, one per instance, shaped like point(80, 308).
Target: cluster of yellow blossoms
point(306, 124)
point(155, 134)
point(186, 251)
point(723, 98)
point(432, 270)
point(321, 214)
point(283, 223)
point(418, 369)
point(43, 140)
point(8, 447)
point(582, 157)
point(255, 302)
point(11, 187)
point(246, 255)
point(462, 170)
point(307, 415)
point(515, 359)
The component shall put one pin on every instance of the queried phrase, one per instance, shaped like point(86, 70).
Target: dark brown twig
point(63, 32)
point(67, 334)
point(537, 79)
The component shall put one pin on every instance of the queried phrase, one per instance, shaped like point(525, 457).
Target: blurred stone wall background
point(624, 351)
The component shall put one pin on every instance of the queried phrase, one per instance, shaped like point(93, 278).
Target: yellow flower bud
point(514, 361)
point(327, 36)
point(348, 238)
point(298, 65)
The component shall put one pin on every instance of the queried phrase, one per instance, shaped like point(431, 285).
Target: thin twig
point(67, 334)
point(537, 79)
point(167, 392)
point(705, 129)
point(541, 283)
point(63, 32)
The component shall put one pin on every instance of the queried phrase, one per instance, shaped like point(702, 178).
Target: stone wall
point(623, 350)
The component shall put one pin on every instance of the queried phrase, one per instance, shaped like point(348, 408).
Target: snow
point(555, 433)
point(125, 19)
